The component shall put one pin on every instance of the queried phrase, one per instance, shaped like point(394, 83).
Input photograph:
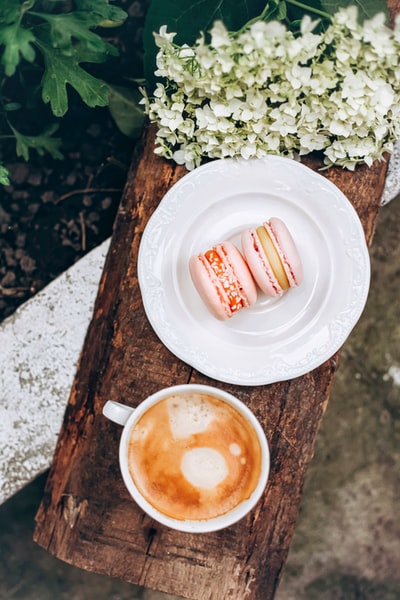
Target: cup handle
point(117, 412)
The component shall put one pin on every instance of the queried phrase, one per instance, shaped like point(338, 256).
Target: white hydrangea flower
point(219, 35)
point(264, 90)
point(164, 39)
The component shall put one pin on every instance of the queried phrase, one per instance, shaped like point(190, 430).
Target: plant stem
point(87, 191)
point(253, 20)
point(311, 9)
point(260, 17)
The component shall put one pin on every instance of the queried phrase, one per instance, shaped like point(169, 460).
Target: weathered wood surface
point(86, 516)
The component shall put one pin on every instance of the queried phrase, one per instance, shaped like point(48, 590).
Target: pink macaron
point(223, 280)
point(272, 257)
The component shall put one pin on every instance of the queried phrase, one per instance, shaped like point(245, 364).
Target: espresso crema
point(194, 456)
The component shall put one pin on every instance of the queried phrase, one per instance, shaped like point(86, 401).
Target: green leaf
point(11, 106)
point(273, 10)
point(77, 25)
point(62, 69)
point(12, 10)
point(107, 15)
point(4, 175)
point(42, 143)
point(277, 10)
point(18, 43)
point(126, 111)
point(188, 19)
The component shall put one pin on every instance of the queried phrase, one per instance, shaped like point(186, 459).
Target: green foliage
point(68, 35)
point(42, 143)
point(126, 111)
point(4, 178)
point(62, 69)
point(52, 42)
point(18, 44)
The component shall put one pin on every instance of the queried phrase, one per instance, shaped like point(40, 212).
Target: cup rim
point(195, 525)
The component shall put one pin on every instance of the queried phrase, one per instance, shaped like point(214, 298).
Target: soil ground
point(55, 211)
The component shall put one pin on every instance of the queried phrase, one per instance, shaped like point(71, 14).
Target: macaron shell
point(287, 250)
point(258, 264)
point(235, 261)
point(209, 288)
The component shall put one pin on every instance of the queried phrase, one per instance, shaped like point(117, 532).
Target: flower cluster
point(265, 90)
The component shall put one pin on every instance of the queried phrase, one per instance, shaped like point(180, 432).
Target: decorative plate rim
point(175, 313)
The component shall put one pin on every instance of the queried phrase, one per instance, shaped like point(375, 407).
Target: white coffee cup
point(206, 445)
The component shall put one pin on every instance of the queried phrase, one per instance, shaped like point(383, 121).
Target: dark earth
point(55, 211)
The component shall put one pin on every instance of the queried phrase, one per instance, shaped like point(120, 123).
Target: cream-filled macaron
point(223, 280)
point(272, 257)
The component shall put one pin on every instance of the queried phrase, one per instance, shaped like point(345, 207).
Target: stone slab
point(39, 350)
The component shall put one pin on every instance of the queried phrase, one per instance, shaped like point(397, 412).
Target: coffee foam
point(235, 449)
point(204, 467)
point(193, 456)
point(189, 415)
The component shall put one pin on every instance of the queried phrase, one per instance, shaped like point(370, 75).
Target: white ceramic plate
point(276, 339)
